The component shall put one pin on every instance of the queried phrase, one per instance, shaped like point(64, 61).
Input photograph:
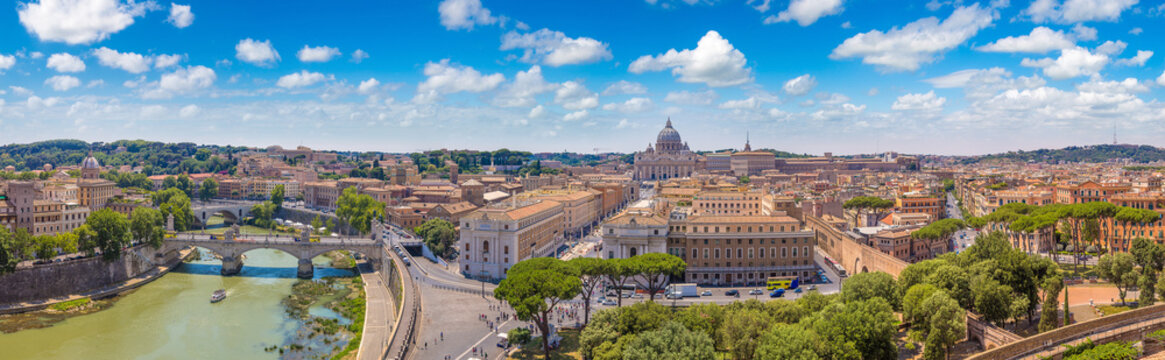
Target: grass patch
point(568, 348)
point(1106, 310)
point(71, 305)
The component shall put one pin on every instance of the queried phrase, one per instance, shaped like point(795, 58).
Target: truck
point(681, 290)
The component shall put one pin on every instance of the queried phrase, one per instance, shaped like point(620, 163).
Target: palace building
point(670, 158)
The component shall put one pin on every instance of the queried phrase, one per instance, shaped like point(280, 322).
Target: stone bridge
point(1133, 325)
point(231, 248)
point(231, 211)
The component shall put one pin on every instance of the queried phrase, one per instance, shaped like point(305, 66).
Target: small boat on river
point(218, 295)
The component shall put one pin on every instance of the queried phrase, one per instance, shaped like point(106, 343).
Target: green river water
point(172, 317)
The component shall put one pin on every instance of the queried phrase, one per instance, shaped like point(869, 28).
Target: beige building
point(93, 191)
point(495, 238)
point(724, 203)
point(634, 232)
point(670, 158)
point(581, 209)
point(742, 250)
point(752, 163)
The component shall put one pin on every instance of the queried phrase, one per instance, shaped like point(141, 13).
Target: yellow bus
point(782, 282)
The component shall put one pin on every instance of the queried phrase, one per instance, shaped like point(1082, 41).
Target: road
point(378, 315)
point(964, 238)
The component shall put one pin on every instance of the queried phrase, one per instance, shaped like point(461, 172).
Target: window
point(717, 253)
point(705, 253)
point(727, 253)
point(750, 253)
point(794, 252)
point(783, 253)
point(506, 250)
point(805, 251)
point(695, 253)
point(739, 253)
point(466, 246)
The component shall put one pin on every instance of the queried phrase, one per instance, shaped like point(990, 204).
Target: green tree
point(9, 256)
point(792, 342)
point(208, 190)
point(912, 309)
point(111, 230)
point(169, 182)
point(590, 273)
point(955, 281)
point(277, 196)
point(742, 329)
point(948, 324)
point(1118, 269)
point(616, 272)
point(534, 291)
point(185, 185)
point(992, 299)
point(330, 225)
point(857, 330)
point(865, 286)
point(1150, 256)
point(670, 341)
point(1050, 312)
point(655, 270)
point(861, 204)
point(439, 235)
point(146, 226)
point(358, 210)
point(264, 214)
point(174, 202)
point(316, 224)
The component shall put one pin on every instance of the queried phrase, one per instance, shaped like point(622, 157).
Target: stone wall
point(1125, 326)
point(988, 336)
point(851, 255)
point(47, 281)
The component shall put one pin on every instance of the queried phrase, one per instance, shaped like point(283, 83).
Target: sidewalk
point(378, 317)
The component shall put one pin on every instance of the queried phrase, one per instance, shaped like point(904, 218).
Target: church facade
point(670, 158)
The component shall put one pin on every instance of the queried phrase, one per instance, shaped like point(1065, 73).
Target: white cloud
point(624, 87)
point(526, 85)
point(1072, 62)
point(359, 55)
point(752, 102)
point(1136, 31)
point(577, 115)
point(259, 53)
point(985, 83)
point(1111, 48)
point(1099, 86)
point(62, 82)
point(800, 85)
point(300, 79)
point(446, 78)
point(1041, 40)
point(1161, 79)
point(714, 62)
point(806, 12)
point(128, 61)
point(919, 102)
point(1138, 60)
point(180, 16)
point(918, 42)
point(464, 14)
point(189, 111)
point(537, 112)
point(1084, 33)
point(7, 62)
point(829, 98)
point(760, 5)
point(65, 63)
point(317, 54)
point(181, 81)
point(632, 105)
point(367, 86)
point(1073, 11)
point(575, 96)
point(555, 49)
point(692, 98)
point(165, 61)
point(78, 21)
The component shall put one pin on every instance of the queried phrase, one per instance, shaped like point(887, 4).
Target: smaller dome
point(90, 163)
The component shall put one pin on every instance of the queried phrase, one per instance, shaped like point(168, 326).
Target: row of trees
point(154, 157)
point(104, 231)
point(358, 209)
point(535, 286)
point(861, 204)
point(174, 202)
point(1141, 267)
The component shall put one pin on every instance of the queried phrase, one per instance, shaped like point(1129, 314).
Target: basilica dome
point(90, 163)
point(669, 135)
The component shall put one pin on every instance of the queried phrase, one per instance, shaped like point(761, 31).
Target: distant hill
point(1092, 153)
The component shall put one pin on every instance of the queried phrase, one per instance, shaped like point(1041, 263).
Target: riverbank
point(331, 313)
point(105, 292)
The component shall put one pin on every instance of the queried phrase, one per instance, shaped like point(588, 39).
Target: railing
point(1106, 327)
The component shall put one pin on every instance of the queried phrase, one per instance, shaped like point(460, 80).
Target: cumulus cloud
point(984, 83)
point(706, 97)
point(181, 81)
point(632, 105)
point(447, 78)
point(806, 12)
point(573, 95)
point(367, 86)
point(714, 62)
point(1161, 79)
point(1072, 62)
point(919, 102)
point(800, 85)
point(165, 61)
point(317, 54)
point(1099, 86)
point(624, 87)
point(65, 63)
point(359, 55)
point(300, 79)
point(919, 42)
point(189, 111)
point(1073, 11)
point(464, 14)
point(131, 62)
point(62, 82)
point(577, 115)
point(537, 112)
point(259, 53)
point(1138, 60)
point(78, 21)
point(1084, 33)
point(554, 48)
point(180, 16)
point(7, 62)
point(527, 84)
point(1040, 41)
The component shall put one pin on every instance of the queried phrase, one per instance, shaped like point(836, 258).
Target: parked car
point(609, 302)
point(706, 293)
point(812, 287)
point(755, 292)
point(732, 292)
point(777, 293)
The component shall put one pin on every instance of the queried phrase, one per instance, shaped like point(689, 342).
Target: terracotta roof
point(640, 218)
point(703, 219)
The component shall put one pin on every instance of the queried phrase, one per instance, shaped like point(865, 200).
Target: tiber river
point(172, 317)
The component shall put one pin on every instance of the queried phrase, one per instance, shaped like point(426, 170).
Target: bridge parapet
point(231, 249)
point(1123, 326)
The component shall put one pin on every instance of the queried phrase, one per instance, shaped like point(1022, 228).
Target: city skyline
point(802, 76)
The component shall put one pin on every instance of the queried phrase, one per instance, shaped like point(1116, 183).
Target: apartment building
point(496, 237)
point(741, 250)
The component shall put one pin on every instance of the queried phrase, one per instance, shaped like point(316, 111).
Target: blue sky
point(847, 76)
